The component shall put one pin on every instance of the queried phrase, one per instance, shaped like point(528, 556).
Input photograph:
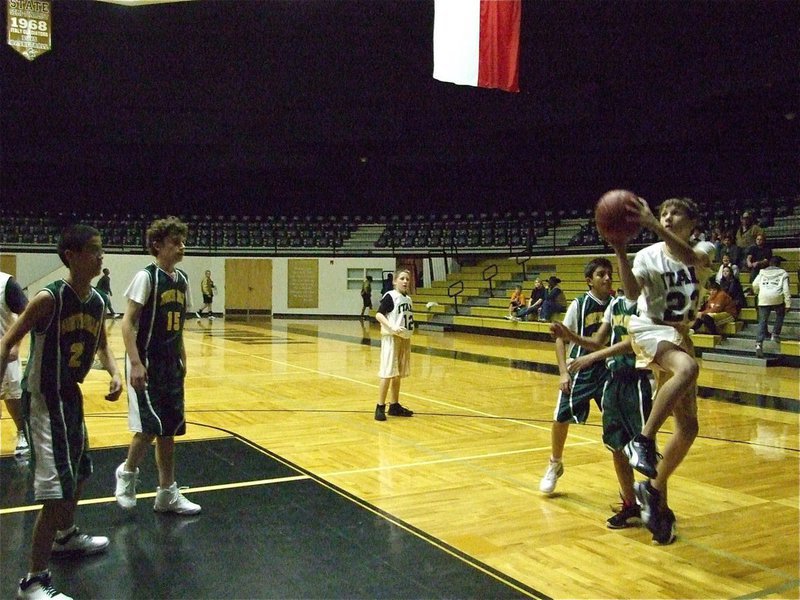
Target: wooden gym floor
point(305, 496)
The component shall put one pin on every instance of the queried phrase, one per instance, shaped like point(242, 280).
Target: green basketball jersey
point(63, 352)
point(621, 311)
point(160, 335)
point(589, 312)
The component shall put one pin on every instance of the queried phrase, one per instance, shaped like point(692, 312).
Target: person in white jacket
point(772, 286)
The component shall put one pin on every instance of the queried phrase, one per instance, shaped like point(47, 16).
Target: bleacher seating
point(513, 232)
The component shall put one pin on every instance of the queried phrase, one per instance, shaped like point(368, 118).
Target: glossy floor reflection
point(267, 530)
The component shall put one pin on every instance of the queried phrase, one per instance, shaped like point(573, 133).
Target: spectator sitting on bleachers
point(534, 302)
point(758, 256)
point(718, 310)
point(730, 248)
point(517, 301)
point(748, 231)
point(727, 262)
point(554, 301)
point(730, 284)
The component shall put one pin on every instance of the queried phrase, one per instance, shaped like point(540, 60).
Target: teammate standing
point(152, 329)
point(396, 316)
point(66, 319)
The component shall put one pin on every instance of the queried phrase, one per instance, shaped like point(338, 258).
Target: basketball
point(614, 223)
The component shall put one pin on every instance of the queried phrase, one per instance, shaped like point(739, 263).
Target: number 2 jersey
point(671, 290)
point(62, 353)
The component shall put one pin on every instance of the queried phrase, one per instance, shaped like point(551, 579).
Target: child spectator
point(718, 310)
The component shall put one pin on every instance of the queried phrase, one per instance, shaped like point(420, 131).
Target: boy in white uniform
point(666, 280)
point(396, 316)
point(12, 303)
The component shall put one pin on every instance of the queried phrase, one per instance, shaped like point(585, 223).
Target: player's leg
point(403, 357)
point(127, 473)
point(684, 370)
point(678, 445)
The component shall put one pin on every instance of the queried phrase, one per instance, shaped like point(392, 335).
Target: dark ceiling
point(328, 106)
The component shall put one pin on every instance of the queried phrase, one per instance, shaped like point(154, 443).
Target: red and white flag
point(476, 42)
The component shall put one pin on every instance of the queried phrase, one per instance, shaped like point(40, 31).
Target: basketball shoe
point(39, 587)
point(548, 483)
point(171, 500)
point(125, 492)
point(76, 543)
point(397, 410)
point(642, 455)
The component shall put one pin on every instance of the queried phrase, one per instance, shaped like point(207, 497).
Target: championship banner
point(28, 23)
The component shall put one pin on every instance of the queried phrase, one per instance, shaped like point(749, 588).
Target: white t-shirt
point(671, 290)
point(140, 287)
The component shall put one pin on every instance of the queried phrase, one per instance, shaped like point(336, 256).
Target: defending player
point(665, 279)
point(627, 397)
point(584, 316)
point(396, 316)
point(66, 319)
point(152, 329)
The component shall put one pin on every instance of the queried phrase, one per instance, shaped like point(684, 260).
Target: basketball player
point(665, 279)
point(396, 316)
point(66, 319)
point(207, 288)
point(584, 316)
point(627, 396)
point(152, 329)
point(12, 303)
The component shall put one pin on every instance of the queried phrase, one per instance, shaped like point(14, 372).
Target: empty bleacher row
point(513, 232)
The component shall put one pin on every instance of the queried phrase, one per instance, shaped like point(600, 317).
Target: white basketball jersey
point(6, 316)
point(671, 290)
point(402, 315)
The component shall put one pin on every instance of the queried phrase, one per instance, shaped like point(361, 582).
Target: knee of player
point(690, 427)
point(688, 369)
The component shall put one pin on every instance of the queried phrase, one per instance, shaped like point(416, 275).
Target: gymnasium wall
point(37, 269)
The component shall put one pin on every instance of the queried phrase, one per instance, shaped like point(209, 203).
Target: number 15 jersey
point(163, 298)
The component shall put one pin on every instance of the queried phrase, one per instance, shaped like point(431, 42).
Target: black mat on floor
point(294, 539)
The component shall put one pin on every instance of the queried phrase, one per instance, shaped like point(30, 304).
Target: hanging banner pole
point(29, 26)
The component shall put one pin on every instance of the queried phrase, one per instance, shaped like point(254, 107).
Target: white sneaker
point(197, 314)
point(125, 492)
point(548, 483)
point(22, 448)
point(211, 317)
point(79, 544)
point(171, 500)
point(39, 588)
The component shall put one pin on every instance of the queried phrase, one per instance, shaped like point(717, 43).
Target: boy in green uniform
point(583, 317)
point(66, 321)
point(627, 396)
point(152, 329)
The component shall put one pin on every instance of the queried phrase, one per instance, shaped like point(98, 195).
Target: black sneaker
point(380, 412)
point(664, 533)
point(397, 410)
point(649, 499)
point(629, 516)
point(642, 455)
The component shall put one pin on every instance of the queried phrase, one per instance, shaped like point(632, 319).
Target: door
point(248, 286)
